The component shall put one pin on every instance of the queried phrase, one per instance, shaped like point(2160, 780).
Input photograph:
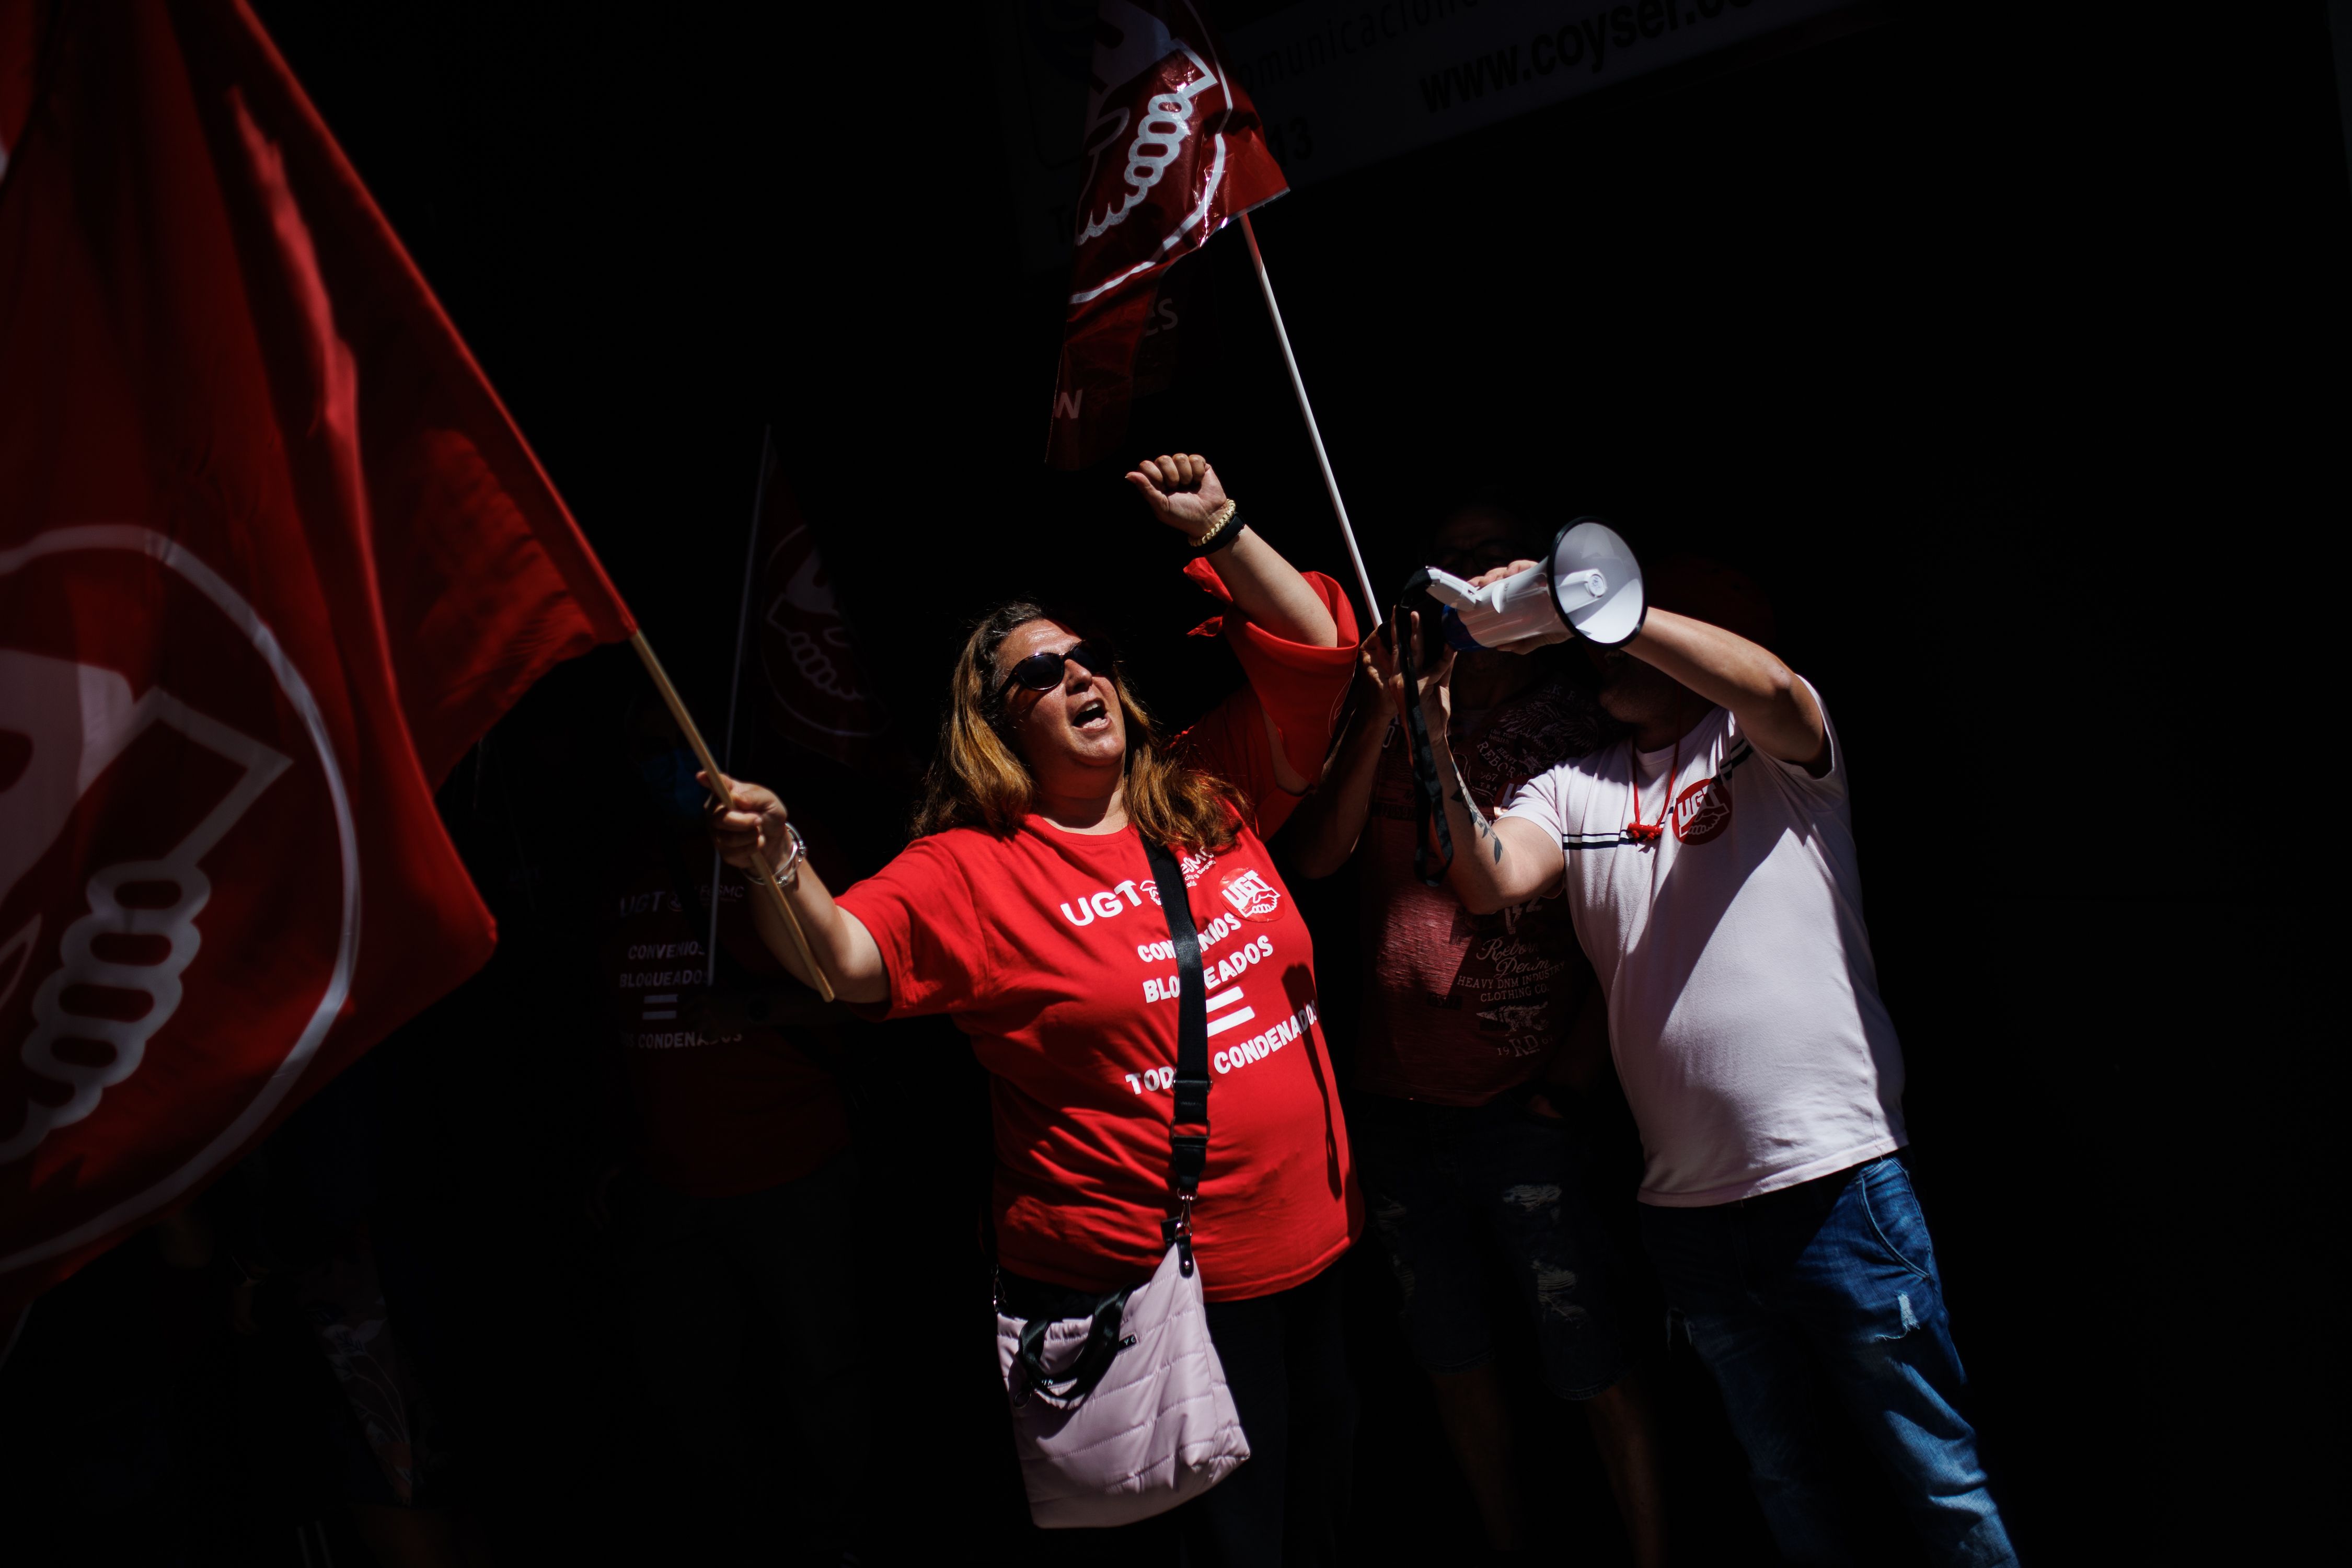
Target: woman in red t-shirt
point(1027, 911)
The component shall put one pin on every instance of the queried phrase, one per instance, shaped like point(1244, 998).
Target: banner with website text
point(1340, 84)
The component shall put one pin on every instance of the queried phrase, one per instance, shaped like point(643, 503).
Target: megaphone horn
point(1591, 584)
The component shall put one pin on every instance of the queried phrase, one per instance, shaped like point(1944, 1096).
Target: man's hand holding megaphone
point(1555, 632)
point(1590, 586)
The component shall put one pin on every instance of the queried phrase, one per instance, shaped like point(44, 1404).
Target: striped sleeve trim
point(1619, 838)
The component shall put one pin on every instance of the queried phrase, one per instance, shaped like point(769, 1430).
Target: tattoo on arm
point(1478, 820)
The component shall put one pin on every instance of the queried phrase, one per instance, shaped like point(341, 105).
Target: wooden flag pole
point(1322, 458)
point(710, 769)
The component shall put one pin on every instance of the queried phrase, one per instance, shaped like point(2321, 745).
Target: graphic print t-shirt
point(717, 1113)
point(1049, 949)
point(1743, 1003)
point(1459, 1007)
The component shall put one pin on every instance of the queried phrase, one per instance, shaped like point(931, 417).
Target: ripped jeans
point(1820, 1301)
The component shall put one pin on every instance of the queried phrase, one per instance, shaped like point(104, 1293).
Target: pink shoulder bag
point(1124, 1413)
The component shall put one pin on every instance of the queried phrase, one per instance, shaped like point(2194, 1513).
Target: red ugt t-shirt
point(1049, 948)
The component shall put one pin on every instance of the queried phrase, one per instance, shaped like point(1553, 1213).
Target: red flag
point(1175, 150)
point(810, 691)
point(273, 556)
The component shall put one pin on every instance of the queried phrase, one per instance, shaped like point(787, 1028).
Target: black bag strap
point(1188, 1151)
point(1428, 800)
point(1104, 1342)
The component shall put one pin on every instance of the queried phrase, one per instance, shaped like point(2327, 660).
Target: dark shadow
point(1298, 987)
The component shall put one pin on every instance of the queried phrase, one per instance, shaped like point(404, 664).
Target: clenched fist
point(1181, 490)
point(750, 831)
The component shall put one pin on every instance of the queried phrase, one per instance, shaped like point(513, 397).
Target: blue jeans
point(1819, 1299)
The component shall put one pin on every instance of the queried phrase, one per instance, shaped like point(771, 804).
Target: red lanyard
point(1646, 834)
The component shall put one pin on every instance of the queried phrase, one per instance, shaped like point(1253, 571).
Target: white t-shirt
point(1743, 1004)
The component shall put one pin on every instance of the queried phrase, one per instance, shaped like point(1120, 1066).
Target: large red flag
point(272, 556)
point(1175, 151)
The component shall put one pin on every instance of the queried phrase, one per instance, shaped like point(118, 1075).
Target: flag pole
point(735, 680)
point(1314, 433)
point(701, 748)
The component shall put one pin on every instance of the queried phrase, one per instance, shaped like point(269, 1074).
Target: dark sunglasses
point(1042, 671)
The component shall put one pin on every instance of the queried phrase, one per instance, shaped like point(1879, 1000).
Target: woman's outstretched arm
point(1183, 491)
point(753, 834)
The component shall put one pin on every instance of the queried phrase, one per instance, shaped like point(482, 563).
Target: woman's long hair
point(978, 779)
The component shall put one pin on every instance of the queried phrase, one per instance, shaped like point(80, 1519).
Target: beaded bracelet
point(1223, 529)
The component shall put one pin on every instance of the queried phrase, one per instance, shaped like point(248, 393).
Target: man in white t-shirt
point(1709, 867)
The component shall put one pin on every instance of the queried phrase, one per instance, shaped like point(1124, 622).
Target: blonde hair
point(978, 779)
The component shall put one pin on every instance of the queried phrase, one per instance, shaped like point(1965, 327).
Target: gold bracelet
point(1218, 519)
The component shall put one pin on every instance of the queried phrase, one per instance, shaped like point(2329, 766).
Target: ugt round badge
point(1703, 811)
point(1250, 894)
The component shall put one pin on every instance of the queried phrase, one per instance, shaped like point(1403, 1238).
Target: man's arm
point(1775, 711)
point(1498, 863)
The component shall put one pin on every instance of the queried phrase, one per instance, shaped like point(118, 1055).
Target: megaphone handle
point(1450, 590)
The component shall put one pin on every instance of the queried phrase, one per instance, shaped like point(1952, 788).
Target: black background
point(2004, 346)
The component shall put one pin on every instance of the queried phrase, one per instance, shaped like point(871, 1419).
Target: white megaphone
point(1590, 587)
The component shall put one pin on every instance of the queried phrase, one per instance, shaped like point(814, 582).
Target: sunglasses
point(1042, 671)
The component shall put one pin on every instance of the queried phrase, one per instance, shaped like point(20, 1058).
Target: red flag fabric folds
point(272, 557)
point(1175, 150)
point(811, 692)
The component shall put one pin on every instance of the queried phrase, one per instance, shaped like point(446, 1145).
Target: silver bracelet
point(788, 875)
